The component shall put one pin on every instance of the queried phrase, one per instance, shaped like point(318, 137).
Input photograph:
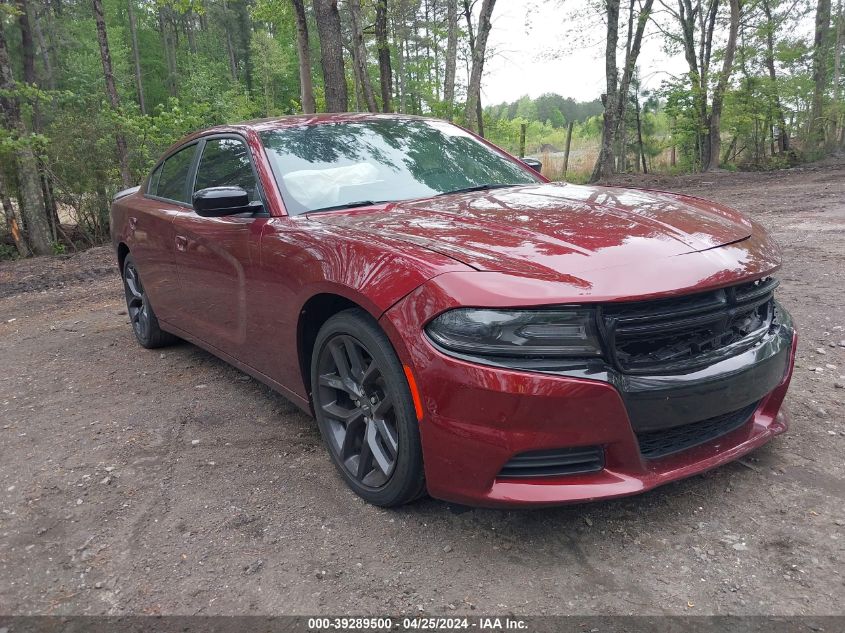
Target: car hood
point(551, 229)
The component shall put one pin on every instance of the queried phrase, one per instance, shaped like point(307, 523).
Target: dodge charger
point(457, 324)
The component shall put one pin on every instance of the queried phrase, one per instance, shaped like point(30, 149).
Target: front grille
point(555, 462)
point(656, 444)
point(682, 334)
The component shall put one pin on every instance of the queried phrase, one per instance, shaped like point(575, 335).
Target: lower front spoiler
point(482, 417)
point(609, 484)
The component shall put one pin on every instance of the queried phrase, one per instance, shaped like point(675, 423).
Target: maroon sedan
point(456, 323)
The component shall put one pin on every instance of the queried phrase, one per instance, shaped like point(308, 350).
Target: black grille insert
point(656, 444)
point(685, 333)
point(555, 462)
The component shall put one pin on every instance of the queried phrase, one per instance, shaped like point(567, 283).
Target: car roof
point(275, 123)
point(278, 123)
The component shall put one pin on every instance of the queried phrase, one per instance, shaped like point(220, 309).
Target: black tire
point(366, 417)
point(141, 315)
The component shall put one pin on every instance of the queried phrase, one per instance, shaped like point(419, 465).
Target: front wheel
point(141, 315)
point(365, 411)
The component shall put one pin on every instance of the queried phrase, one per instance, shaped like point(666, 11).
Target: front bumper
point(478, 417)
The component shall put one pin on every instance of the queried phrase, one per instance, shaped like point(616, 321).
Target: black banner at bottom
point(420, 623)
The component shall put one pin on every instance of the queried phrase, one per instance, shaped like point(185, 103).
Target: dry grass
point(583, 155)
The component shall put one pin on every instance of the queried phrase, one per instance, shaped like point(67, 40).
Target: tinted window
point(174, 174)
point(152, 187)
point(332, 164)
point(225, 163)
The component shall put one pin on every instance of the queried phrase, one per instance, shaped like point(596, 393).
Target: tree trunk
point(30, 77)
point(49, 77)
point(31, 199)
point(27, 43)
point(230, 46)
point(837, 70)
point(617, 128)
point(28, 59)
point(169, 46)
point(400, 37)
point(111, 89)
point(715, 138)
point(385, 72)
point(12, 224)
point(331, 55)
point(245, 30)
point(631, 56)
point(817, 126)
point(640, 132)
point(691, 18)
point(303, 49)
point(837, 52)
point(605, 163)
point(479, 51)
point(783, 138)
point(136, 56)
point(359, 55)
point(188, 22)
point(451, 56)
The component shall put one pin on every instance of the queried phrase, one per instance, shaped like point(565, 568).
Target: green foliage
point(207, 62)
point(7, 251)
point(549, 107)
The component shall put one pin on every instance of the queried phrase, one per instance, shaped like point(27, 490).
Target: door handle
point(181, 243)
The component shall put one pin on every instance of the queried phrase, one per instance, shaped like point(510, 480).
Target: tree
point(479, 51)
point(616, 98)
point(820, 55)
point(169, 45)
point(111, 89)
point(303, 51)
point(30, 195)
point(697, 20)
point(451, 55)
point(715, 118)
point(331, 55)
point(769, 28)
point(385, 72)
point(604, 165)
point(359, 55)
point(12, 225)
point(230, 45)
point(837, 70)
point(136, 56)
point(245, 36)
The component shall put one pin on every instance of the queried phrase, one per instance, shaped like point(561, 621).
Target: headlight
point(523, 333)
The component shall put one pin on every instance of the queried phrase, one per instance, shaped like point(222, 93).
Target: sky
point(537, 49)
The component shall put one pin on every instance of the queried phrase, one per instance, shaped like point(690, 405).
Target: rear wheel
point(365, 411)
point(141, 314)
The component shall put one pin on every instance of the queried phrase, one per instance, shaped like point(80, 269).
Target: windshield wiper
point(486, 187)
point(349, 205)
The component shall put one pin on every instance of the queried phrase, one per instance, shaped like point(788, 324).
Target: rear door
point(217, 258)
point(151, 230)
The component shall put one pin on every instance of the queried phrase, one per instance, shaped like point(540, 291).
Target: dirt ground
point(149, 482)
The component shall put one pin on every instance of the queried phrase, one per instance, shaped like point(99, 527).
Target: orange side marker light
point(415, 393)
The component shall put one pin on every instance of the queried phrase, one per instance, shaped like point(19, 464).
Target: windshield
point(345, 164)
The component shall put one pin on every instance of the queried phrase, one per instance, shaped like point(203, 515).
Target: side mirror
point(215, 202)
point(533, 163)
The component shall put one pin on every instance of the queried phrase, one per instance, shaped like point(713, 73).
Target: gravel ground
point(167, 482)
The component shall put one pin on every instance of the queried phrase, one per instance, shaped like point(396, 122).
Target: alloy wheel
point(358, 409)
point(136, 301)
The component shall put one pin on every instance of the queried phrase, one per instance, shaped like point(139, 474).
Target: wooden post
point(522, 128)
point(566, 151)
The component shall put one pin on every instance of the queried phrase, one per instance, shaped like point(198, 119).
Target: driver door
point(217, 258)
